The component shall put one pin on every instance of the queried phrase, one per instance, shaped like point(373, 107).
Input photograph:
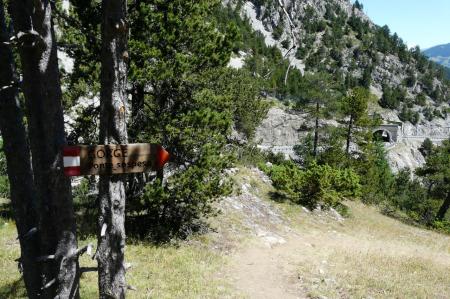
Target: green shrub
point(249, 155)
point(177, 208)
point(286, 44)
point(4, 182)
point(328, 186)
point(278, 31)
point(318, 185)
point(426, 147)
point(376, 176)
point(4, 187)
point(301, 53)
point(287, 178)
point(392, 97)
point(421, 100)
point(443, 226)
point(407, 114)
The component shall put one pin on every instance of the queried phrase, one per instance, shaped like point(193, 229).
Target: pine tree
point(319, 95)
point(182, 100)
point(18, 164)
point(182, 96)
point(436, 174)
point(355, 108)
point(113, 130)
point(34, 29)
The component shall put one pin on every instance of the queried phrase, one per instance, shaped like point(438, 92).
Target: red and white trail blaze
point(72, 161)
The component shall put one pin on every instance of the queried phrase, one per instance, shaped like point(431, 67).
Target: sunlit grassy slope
point(366, 256)
point(187, 270)
point(372, 256)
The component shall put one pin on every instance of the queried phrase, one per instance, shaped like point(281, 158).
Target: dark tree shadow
point(278, 197)
point(6, 211)
point(162, 230)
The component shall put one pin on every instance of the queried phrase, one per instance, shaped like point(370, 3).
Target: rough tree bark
point(316, 130)
point(349, 134)
point(443, 209)
point(18, 161)
point(36, 41)
point(113, 130)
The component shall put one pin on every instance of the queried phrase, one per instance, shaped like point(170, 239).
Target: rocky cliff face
point(310, 27)
point(337, 37)
point(282, 129)
point(405, 154)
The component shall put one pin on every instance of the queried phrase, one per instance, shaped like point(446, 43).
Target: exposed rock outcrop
point(280, 128)
point(405, 154)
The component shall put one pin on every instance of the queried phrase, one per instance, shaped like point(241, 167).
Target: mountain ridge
point(338, 37)
point(440, 54)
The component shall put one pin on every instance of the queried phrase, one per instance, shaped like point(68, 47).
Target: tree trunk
point(349, 134)
point(41, 84)
point(138, 101)
point(113, 130)
point(316, 130)
point(444, 208)
point(18, 161)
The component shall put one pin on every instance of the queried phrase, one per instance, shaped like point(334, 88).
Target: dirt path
point(284, 251)
point(264, 266)
point(267, 271)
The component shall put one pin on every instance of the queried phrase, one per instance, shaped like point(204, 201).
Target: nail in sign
point(113, 159)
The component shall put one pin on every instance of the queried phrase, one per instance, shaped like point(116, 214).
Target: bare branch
point(45, 258)
point(85, 249)
point(32, 231)
point(13, 84)
point(293, 38)
point(103, 232)
point(19, 264)
point(131, 288)
point(30, 36)
point(287, 74)
point(49, 284)
point(6, 87)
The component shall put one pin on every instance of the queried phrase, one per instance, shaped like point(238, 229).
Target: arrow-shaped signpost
point(113, 159)
point(105, 160)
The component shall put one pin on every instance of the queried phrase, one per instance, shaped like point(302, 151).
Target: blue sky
point(418, 22)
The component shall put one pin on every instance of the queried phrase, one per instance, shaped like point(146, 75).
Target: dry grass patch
point(11, 284)
point(185, 270)
point(368, 255)
point(371, 255)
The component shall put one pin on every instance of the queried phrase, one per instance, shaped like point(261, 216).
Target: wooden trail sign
point(113, 159)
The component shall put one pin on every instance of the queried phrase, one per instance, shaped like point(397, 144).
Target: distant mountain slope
point(441, 50)
point(439, 54)
point(282, 40)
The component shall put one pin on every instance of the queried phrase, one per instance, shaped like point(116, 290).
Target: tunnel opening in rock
point(382, 135)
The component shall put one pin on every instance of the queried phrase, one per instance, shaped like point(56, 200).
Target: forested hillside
point(198, 80)
point(337, 38)
point(440, 54)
